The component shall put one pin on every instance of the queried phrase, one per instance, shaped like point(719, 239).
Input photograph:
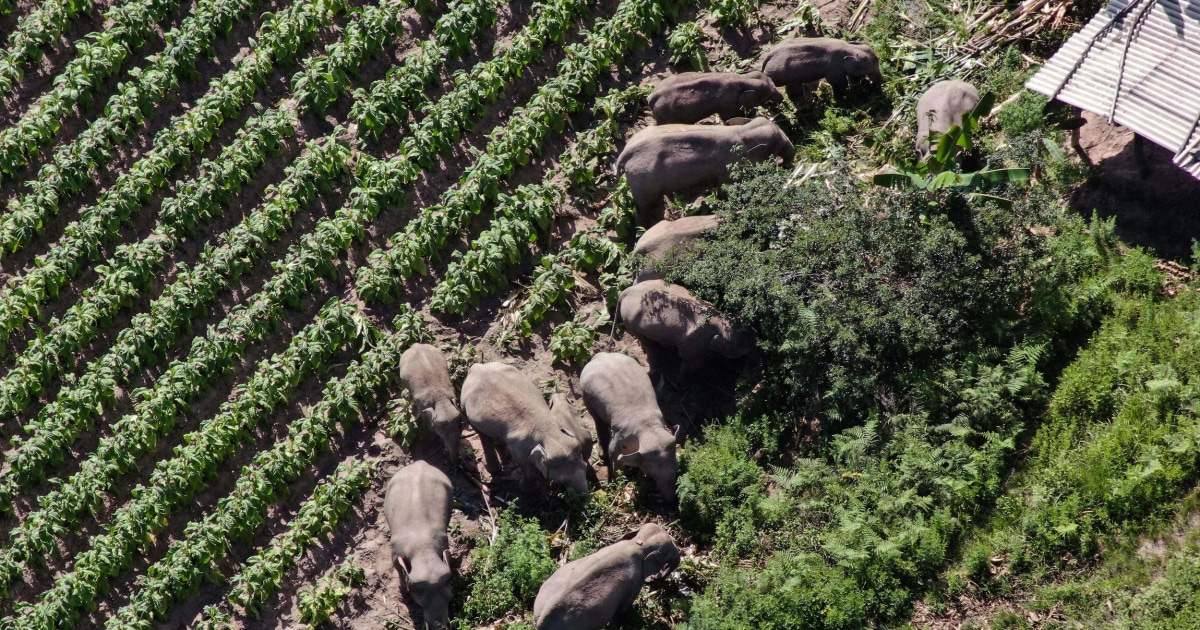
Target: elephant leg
point(839, 83)
point(657, 357)
point(603, 435)
point(692, 354)
point(796, 92)
point(490, 460)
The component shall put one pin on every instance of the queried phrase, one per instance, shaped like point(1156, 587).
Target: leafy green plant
point(572, 341)
point(686, 42)
point(734, 13)
point(506, 575)
point(318, 602)
point(936, 171)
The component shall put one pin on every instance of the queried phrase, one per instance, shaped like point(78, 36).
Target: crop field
point(225, 220)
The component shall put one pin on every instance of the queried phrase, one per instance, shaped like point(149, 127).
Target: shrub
point(790, 592)
point(720, 487)
point(505, 576)
point(857, 295)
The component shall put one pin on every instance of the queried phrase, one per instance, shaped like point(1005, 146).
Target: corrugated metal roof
point(1137, 62)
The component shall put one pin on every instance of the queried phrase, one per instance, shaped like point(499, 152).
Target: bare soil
point(1153, 201)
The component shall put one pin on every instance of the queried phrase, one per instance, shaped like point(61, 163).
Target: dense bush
point(721, 488)
point(1119, 447)
point(861, 297)
point(922, 333)
point(505, 576)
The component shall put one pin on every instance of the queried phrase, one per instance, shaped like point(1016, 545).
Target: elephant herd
point(676, 153)
point(548, 442)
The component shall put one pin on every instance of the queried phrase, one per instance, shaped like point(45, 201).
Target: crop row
point(305, 262)
point(262, 574)
point(133, 267)
point(389, 100)
point(41, 26)
point(588, 251)
point(177, 480)
point(238, 515)
point(101, 54)
point(70, 169)
point(508, 147)
point(281, 37)
point(318, 601)
point(156, 408)
point(150, 335)
point(196, 202)
point(522, 216)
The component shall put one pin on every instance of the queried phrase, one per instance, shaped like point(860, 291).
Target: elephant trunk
point(788, 152)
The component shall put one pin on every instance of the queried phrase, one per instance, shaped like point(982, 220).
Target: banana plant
point(937, 172)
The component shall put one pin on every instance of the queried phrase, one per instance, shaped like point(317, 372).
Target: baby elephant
point(629, 422)
point(424, 372)
point(803, 60)
point(507, 409)
point(665, 159)
point(941, 107)
point(417, 507)
point(664, 236)
point(693, 96)
point(670, 315)
point(592, 591)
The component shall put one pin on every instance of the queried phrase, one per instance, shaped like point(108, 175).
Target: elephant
point(693, 96)
point(664, 236)
point(508, 409)
point(670, 315)
point(802, 60)
point(941, 107)
point(663, 159)
point(629, 423)
point(424, 372)
point(588, 593)
point(417, 508)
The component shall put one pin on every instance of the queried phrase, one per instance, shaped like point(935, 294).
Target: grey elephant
point(693, 96)
point(670, 315)
point(588, 593)
point(665, 236)
point(941, 107)
point(424, 371)
point(797, 62)
point(663, 159)
point(629, 422)
point(508, 410)
point(417, 507)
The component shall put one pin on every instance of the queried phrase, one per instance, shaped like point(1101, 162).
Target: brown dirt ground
point(1152, 200)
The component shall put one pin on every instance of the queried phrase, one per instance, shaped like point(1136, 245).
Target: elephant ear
point(660, 561)
point(747, 99)
point(538, 458)
point(628, 451)
point(734, 122)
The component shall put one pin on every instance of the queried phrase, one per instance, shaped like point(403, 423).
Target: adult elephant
point(665, 159)
point(802, 60)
